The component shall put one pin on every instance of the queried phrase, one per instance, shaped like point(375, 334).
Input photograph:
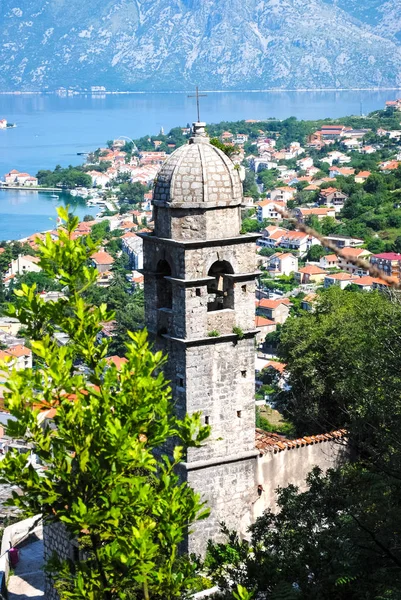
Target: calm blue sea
point(51, 130)
point(23, 213)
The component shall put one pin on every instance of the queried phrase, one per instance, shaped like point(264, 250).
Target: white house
point(329, 261)
point(298, 241)
point(268, 210)
point(305, 163)
point(24, 264)
point(356, 253)
point(282, 194)
point(132, 245)
point(340, 279)
point(283, 263)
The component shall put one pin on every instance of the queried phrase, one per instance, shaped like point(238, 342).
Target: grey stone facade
point(199, 300)
point(56, 541)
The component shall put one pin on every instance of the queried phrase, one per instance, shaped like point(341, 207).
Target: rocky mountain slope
point(175, 44)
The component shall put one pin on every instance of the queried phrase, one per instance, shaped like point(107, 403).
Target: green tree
point(316, 252)
point(132, 193)
point(249, 185)
point(127, 510)
point(229, 150)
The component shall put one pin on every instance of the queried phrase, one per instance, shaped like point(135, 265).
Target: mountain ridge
point(157, 45)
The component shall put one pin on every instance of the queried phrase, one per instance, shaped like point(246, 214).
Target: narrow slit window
point(207, 420)
point(243, 373)
point(243, 288)
point(239, 414)
point(198, 292)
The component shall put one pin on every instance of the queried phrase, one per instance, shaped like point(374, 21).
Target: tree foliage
point(127, 510)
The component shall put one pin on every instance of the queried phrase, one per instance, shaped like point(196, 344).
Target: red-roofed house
point(102, 261)
point(25, 263)
point(329, 262)
point(355, 253)
point(310, 274)
point(340, 279)
point(332, 197)
point(265, 326)
point(276, 310)
point(268, 210)
point(303, 213)
point(298, 241)
point(362, 176)
point(283, 263)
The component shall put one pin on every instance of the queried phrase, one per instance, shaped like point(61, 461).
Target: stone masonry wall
point(219, 382)
point(292, 466)
point(229, 490)
point(55, 540)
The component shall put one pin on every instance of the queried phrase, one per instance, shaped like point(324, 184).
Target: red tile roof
point(117, 361)
point(274, 364)
point(272, 442)
point(263, 322)
point(19, 350)
point(266, 303)
point(312, 270)
point(102, 258)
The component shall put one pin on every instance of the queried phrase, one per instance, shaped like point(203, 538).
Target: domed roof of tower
point(198, 175)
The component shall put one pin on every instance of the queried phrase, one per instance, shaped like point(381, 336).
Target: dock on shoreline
point(33, 188)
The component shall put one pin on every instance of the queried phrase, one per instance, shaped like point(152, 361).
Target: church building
point(200, 310)
point(200, 307)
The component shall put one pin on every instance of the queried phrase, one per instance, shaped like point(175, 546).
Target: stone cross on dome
point(197, 95)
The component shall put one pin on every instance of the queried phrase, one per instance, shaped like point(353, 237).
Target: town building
point(282, 194)
point(389, 262)
point(310, 274)
point(299, 241)
point(276, 310)
point(339, 279)
point(341, 241)
point(353, 253)
point(25, 263)
point(303, 214)
point(270, 210)
point(264, 326)
point(132, 245)
point(330, 261)
point(282, 263)
point(102, 261)
point(332, 197)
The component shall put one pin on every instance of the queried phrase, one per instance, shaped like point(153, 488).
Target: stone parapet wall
point(291, 465)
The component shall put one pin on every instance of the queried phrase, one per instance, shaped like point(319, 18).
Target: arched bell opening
point(164, 289)
point(221, 289)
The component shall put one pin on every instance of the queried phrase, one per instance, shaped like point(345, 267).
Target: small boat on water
point(54, 196)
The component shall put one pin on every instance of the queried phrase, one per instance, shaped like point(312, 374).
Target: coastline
point(239, 91)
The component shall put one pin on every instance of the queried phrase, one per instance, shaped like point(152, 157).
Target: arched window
point(164, 288)
point(221, 289)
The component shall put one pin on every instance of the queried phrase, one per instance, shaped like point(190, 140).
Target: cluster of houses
point(14, 352)
point(142, 169)
point(14, 177)
point(128, 225)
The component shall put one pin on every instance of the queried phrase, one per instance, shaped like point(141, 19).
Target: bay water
point(51, 130)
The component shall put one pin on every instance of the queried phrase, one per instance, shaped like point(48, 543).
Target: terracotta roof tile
point(273, 442)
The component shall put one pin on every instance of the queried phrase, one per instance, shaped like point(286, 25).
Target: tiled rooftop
point(273, 442)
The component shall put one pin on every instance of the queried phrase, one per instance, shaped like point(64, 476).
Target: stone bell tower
point(200, 306)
